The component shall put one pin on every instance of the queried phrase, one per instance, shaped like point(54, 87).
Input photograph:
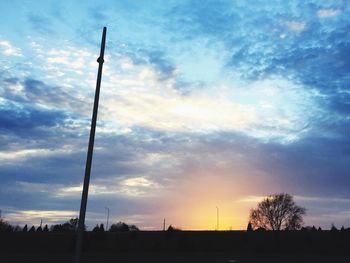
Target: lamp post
point(84, 197)
point(107, 217)
point(217, 218)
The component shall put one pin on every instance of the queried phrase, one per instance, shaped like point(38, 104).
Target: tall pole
point(84, 196)
point(107, 208)
point(164, 225)
point(217, 218)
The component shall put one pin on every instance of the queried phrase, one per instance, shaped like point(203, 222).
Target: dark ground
point(172, 258)
point(179, 247)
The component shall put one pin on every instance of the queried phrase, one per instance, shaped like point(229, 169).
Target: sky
point(204, 105)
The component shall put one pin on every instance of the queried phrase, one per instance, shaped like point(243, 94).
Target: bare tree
point(277, 212)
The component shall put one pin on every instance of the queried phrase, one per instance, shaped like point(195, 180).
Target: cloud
point(322, 13)
point(295, 25)
point(260, 47)
point(73, 60)
point(270, 109)
point(17, 119)
point(29, 153)
point(165, 67)
point(33, 217)
point(8, 49)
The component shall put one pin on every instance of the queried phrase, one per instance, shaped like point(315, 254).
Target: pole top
point(100, 59)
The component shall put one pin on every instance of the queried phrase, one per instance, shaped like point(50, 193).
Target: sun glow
point(209, 204)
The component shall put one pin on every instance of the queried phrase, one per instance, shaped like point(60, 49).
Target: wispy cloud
point(7, 49)
point(34, 217)
point(328, 12)
point(295, 25)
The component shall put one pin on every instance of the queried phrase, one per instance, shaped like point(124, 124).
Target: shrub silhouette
point(171, 229)
point(119, 227)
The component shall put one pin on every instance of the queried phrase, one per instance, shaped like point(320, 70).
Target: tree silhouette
point(133, 228)
point(122, 227)
point(4, 226)
point(249, 227)
point(171, 229)
point(334, 228)
point(72, 224)
point(119, 227)
point(96, 228)
point(17, 228)
point(46, 228)
point(10, 228)
point(25, 228)
point(69, 226)
point(277, 212)
point(32, 229)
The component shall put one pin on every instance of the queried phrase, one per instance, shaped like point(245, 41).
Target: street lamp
point(107, 217)
point(84, 197)
point(217, 218)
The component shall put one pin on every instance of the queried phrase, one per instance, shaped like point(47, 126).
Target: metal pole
point(107, 218)
point(84, 197)
point(164, 225)
point(217, 218)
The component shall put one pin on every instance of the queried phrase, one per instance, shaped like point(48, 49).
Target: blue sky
point(203, 104)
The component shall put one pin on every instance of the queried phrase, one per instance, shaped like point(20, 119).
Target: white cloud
point(295, 25)
point(133, 96)
point(68, 61)
point(322, 199)
point(328, 12)
point(268, 109)
point(251, 199)
point(297, 198)
point(8, 49)
point(131, 187)
point(33, 217)
point(16, 155)
point(138, 182)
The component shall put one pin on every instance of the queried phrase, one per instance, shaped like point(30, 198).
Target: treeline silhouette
point(121, 237)
point(72, 226)
point(69, 226)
